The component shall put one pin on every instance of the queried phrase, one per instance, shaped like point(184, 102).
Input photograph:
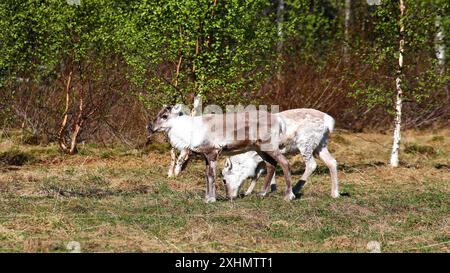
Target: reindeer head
point(161, 123)
point(232, 178)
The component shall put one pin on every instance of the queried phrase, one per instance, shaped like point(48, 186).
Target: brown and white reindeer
point(230, 133)
point(307, 133)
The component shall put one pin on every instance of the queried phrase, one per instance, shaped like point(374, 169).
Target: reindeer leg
point(251, 187)
point(182, 158)
point(173, 158)
point(255, 178)
point(271, 164)
point(273, 184)
point(276, 155)
point(211, 163)
point(331, 163)
point(310, 166)
point(270, 173)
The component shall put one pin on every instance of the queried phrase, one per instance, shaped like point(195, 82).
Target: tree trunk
point(347, 11)
point(210, 37)
point(63, 128)
point(439, 44)
point(439, 47)
point(197, 105)
point(398, 85)
point(173, 151)
point(280, 21)
point(177, 72)
point(78, 123)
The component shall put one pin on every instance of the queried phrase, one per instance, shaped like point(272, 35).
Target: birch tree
point(53, 42)
point(280, 33)
point(398, 85)
point(439, 44)
point(439, 47)
point(280, 21)
point(347, 11)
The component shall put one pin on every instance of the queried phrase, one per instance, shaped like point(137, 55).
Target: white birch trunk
point(398, 85)
point(280, 21)
point(439, 45)
point(347, 13)
point(197, 107)
point(439, 48)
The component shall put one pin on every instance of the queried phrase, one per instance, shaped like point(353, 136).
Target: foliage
point(225, 48)
point(142, 54)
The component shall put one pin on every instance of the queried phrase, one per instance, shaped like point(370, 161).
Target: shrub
point(15, 158)
point(414, 148)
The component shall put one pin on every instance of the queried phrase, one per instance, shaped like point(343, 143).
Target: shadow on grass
point(299, 186)
point(344, 167)
point(15, 158)
point(92, 193)
point(441, 166)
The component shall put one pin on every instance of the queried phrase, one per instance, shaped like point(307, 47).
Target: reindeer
point(240, 167)
point(231, 133)
point(307, 132)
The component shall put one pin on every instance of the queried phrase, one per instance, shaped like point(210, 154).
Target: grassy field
point(120, 200)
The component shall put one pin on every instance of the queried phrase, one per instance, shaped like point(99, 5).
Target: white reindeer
point(240, 167)
point(307, 132)
point(214, 134)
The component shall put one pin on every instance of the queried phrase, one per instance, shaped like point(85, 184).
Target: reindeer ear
point(228, 163)
point(166, 108)
point(177, 109)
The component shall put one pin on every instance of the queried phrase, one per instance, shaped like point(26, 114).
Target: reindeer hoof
point(290, 196)
point(335, 194)
point(262, 194)
point(210, 199)
point(273, 188)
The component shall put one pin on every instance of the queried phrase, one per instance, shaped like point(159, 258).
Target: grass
point(120, 200)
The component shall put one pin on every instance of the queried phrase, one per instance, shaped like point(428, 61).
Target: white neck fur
point(185, 132)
